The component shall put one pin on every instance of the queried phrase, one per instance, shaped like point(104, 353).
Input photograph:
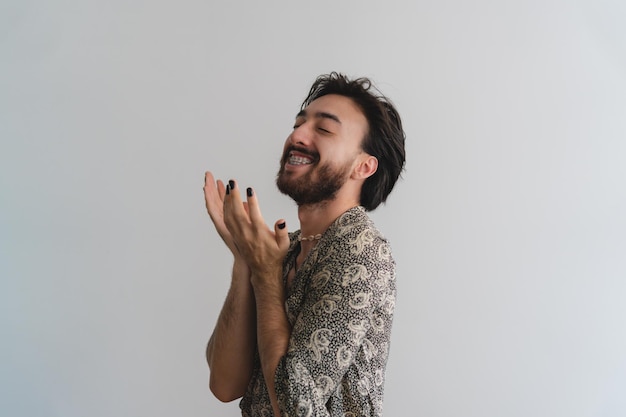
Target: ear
point(366, 167)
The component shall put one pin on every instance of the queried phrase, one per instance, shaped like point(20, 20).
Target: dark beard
point(308, 191)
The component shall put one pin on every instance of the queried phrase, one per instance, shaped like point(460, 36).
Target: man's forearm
point(230, 351)
point(273, 331)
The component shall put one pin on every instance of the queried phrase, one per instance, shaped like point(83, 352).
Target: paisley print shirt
point(340, 306)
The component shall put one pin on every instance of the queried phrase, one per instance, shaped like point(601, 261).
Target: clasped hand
point(241, 226)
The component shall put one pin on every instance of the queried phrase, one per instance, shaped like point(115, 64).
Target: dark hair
point(384, 139)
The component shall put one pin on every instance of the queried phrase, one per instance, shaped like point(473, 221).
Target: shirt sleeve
point(348, 297)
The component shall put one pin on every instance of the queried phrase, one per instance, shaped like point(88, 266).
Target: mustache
point(314, 155)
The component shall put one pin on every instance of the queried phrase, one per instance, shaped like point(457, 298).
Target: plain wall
point(508, 227)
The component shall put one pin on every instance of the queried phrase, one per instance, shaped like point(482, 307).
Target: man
point(305, 327)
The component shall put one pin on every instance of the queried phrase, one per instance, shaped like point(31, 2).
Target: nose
point(301, 135)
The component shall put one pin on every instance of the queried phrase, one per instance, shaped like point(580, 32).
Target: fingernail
point(249, 192)
point(232, 184)
point(282, 226)
point(227, 189)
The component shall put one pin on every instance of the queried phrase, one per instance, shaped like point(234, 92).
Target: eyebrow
point(320, 115)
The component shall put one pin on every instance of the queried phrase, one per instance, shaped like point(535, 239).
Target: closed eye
point(321, 129)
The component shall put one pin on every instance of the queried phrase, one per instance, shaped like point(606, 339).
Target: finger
point(233, 196)
point(281, 234)
point(211, 195)
point(254, 211)
point(221, 189)
point(208, 184)
point(208, 178)
point(234, 213)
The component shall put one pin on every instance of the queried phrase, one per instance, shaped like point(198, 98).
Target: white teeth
point(299, 160)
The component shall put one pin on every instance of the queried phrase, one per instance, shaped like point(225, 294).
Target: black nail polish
point(227, 189)
point(282, 226)
point(249, 192)
point(232, 184)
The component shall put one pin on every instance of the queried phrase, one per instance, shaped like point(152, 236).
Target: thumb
point(282, 236)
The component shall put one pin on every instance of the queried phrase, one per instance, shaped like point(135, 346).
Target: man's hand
point(214, 192)
point(263, 249)
point(231, 348)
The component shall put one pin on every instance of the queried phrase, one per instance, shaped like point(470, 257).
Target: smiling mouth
point(299, 157)
point(299, 160)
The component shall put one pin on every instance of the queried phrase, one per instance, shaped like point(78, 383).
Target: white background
point(508, 227)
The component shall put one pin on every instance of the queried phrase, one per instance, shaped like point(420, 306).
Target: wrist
point(240, 267)
point(239, 261)
point(268, 283)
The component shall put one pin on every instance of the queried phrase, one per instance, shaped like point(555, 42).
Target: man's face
point(320, 153)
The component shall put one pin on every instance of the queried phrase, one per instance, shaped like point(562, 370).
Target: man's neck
point(316, 218)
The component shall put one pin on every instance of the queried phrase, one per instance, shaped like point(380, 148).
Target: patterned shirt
point(340, 306)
